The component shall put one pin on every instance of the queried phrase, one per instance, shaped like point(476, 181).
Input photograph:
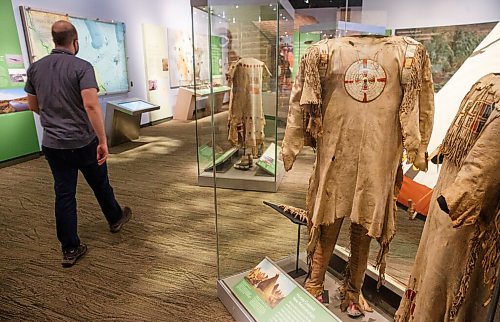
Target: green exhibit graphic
point(206, 156)
point(12, 71)
point(302, 41)
point(216, 53)
point(101, 43)
point(18, 135)
point(271, 295)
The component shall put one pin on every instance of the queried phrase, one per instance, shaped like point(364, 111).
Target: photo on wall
point(152, 85)
point(448, 46)
point(164, 64)
point(181, 57)
point(180, 54)
point(18, 75)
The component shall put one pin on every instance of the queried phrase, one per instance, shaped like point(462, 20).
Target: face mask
point(77, 47)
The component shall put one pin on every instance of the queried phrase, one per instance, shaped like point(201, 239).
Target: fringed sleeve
point(473, 199)
point(304, 123)
point(477, 186)
point(233, 118)
point(417, 107)
point(426, 115)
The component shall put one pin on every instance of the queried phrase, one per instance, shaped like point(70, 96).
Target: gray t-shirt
point(57, 81)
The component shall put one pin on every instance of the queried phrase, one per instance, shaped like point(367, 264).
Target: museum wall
point(425, 13)
point(134, 13)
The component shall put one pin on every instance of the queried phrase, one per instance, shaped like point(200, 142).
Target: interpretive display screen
point(271, 295)
point(101, 43)
point(136, 105)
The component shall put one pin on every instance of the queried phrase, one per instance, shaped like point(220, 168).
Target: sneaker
point(70, 257)
point(126, 215)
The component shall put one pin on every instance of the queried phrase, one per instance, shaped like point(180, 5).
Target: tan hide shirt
point(459, 252)
point(359, 100)
point(246, 116)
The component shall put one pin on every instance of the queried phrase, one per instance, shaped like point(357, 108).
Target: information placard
point(267, 161)
point(271, 295)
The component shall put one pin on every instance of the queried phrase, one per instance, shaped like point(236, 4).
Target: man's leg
point(97, 178)
point(360, 248)
point(321, 257)
point(65, 178)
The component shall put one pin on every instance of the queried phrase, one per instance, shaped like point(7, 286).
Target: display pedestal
point(332, 283)
point(254, 179)
point(185, 104)
point(126, 119)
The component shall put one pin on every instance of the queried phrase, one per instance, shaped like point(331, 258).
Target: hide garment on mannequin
point(359, 101)
point(457, 260)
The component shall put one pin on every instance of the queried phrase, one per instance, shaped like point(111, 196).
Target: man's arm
point(93, 109)
point(33, 103)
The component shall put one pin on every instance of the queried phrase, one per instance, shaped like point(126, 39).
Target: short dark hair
point(63, 33)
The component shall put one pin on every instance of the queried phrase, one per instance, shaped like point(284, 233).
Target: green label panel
point(17, 135)
point(12, 72)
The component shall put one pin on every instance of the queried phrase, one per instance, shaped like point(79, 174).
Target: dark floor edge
point(24, 158)
point(156, 122)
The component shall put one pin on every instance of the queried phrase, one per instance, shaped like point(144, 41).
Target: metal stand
point(298, 271)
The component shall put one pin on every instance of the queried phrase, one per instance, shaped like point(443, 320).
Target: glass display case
point(262, 240)
point(242, 88)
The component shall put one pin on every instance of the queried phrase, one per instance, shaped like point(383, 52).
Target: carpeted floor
point(163, 265)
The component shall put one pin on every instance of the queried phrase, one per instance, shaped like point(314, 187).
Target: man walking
point(62, 89)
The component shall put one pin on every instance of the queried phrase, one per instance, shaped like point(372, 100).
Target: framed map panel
point(101, 43)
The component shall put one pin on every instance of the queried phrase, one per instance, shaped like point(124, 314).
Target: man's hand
point(102, 153)
point(93, 109)
point(33, 103)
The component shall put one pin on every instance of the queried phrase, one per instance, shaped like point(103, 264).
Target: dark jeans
point(65, 165)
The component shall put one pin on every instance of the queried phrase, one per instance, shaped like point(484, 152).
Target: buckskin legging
point(360, 247)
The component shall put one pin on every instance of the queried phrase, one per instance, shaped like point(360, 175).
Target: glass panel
point(249, 36)
point(198, 92)
point(257, 59)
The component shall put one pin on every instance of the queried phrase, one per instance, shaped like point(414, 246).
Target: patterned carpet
point(163, 265)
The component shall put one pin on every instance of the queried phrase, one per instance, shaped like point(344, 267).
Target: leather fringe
point(460, 138)
point(311, 100)
point(412, 84)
